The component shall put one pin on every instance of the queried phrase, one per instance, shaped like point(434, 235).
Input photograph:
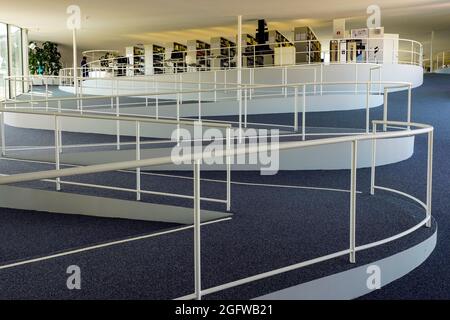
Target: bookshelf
point(223, 53)
point(307, 51)
point(199, 52)
point(154, 59)
point(176, 55)
point(283, 49)
point(249, 55)
point(136, 60)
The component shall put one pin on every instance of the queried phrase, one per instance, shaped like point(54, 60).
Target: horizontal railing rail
point(241, 94)
point(307, 49)
point(410, 130)
point(137, 121)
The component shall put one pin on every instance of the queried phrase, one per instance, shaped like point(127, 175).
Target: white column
point(239, 72)
point(239, 50)
point(26, 71)
point(75, 61)
point(431, 51)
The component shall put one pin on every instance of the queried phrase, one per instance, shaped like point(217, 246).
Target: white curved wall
point(265, 76)
point(324, 157)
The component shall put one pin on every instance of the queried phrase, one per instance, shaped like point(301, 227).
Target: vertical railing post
point(31, 93)
point(354, 163)
point(181, 88)
point(321, 79)
point(385, 108)
point(239, 91)
point(374, 161)
point(245, 107)
point(215, 86)
point(421, 55)
point(309, 51)
point(46, 94)
point(379, 79)
point(60, 140)
point(409, 104)
point(296, 109)
point(2, 129)
point(252, 81)
point(368, 86)
point(199, 102)
point(228, 155)
point(138, 157)
point(6, 88)
point(57, 153)
point(81, 97)
point(429, 177)
point(118, 123)
point(157, 99)
point(304, 114)
point(178, 118)
point(197, 232)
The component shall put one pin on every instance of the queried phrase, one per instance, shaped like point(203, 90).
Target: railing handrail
point(143, 77)
point(277, 44)
point(124, 118)
point(237, 88)
point(124, 165)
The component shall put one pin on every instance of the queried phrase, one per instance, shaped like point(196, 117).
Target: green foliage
point(45, 60)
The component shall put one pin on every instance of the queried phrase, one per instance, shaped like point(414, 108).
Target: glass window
point(3, 59)
point(15, 50)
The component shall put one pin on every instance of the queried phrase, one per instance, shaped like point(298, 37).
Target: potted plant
point(45, 60)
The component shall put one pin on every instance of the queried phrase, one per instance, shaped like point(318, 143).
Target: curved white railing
point(399, 51)
point(240, 94)
point(316, 72)
point(442, 60)
point(138, 122)
point(410, 129)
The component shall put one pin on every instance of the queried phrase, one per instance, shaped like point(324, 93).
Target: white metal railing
point(180, 81)
point(241, 94)
point(137, 121)
point(403, 51)
point(410, 129)
point(441, 61)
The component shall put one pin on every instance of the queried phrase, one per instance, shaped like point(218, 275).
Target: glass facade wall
point(12, 58)
point(4, 60)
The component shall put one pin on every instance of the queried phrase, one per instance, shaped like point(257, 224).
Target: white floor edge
point(353, 283)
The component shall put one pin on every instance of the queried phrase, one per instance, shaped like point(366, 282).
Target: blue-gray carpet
point(271, 228)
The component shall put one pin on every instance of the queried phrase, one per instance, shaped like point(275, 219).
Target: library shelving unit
point(223, 53)
point(284, 50)
point(273, 47)
point(199, 54)
point(136, 60)
point(176, 56)
point(249, 55)
point(154, 59)
point(306, 51)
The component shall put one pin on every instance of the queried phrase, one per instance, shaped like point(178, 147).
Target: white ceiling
point(113, 24)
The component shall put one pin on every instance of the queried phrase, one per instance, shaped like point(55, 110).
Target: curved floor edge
point(352, 283)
